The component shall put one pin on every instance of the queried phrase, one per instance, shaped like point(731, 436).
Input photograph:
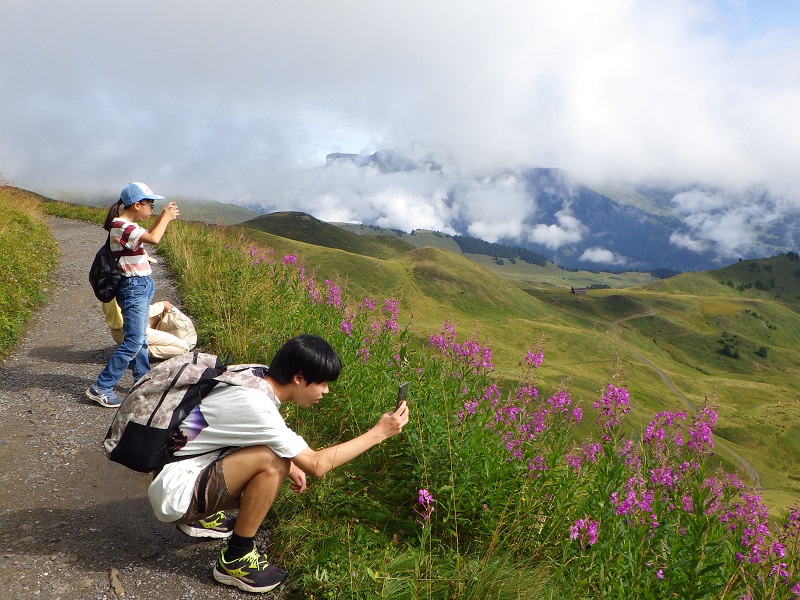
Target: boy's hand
point(298, 477)
point(392, 423)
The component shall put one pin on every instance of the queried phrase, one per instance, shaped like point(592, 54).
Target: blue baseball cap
point(136, 192)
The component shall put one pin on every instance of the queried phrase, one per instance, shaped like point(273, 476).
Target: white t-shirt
point(230, 416)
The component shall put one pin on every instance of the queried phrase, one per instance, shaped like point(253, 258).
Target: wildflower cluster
point(471, 352)
point(613, 406)
point(664, 499)
point(584, 530)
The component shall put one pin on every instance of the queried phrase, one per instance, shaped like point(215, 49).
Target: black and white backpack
point(144, 433)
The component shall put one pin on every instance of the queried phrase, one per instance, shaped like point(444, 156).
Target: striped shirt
point(127, 248)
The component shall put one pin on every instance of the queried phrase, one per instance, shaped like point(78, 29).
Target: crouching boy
point(246, 451)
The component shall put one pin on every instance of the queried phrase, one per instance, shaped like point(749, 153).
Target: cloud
point(345, 192)
point(242, 101)
point(495, 208)
point(601, 255)
point(684, 240)
point(569, 230)
point(726, 223)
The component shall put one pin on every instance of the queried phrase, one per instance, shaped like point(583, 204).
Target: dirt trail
point(74, 525)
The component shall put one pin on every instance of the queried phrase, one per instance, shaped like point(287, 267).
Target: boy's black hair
point(310, 355)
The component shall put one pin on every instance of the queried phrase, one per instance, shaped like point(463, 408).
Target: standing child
point(136, 288)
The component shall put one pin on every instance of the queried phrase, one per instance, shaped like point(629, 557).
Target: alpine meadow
point(636, 440)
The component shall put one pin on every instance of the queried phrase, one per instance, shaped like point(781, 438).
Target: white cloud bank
point(237, 101)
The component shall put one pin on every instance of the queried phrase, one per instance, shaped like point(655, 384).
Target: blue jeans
point(134, 297)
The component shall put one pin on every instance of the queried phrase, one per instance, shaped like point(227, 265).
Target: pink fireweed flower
point(573, 460)
point(560, 401)
point(701, 429)
point(528, 393)
point(590, 452)
point(313, 292)
point(469, 410)
point(368, 303)
point(470, 352)
point(584, 530)
point(751, 518)
point(290, 259)
point(333, 294)
point(779, 570)
point(612, 406)
point(791, 526)
point(663, 476)
point(363, 353)
point(425, 504)
point(391, 309)
point(346, 328)
point(627, 451)
point(537, 464)
point(666, 428)
point(492, 394)
point(778, 549)
point(534, 359)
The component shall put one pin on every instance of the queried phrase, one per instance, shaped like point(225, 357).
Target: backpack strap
point(243, 375)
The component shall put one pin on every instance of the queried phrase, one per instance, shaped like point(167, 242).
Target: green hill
point(525, 273)
point(305, 228)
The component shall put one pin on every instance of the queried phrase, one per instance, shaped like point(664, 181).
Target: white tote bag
point(178, 324)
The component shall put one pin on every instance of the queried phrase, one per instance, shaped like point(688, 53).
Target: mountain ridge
point(608, 225)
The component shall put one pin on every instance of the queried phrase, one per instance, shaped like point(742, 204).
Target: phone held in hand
point(402, 394)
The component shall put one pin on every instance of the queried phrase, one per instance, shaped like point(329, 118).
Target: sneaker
point(107, 398)
point(251, 573)
point(219, 525)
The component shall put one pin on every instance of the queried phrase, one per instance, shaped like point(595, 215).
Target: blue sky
point(743, 18)
point(241, 101)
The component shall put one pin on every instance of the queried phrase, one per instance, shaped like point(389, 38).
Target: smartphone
point(402, 394)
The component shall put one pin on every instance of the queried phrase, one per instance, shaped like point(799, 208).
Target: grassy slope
point(304, 227)
point(521, 272)
point(28, 254)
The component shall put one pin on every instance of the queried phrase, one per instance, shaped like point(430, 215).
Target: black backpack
point(105, 274)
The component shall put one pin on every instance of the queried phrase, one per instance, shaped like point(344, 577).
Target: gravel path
point(74, 525)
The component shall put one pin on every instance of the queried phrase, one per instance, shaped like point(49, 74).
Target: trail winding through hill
point(74, 525)
point(719, 443)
